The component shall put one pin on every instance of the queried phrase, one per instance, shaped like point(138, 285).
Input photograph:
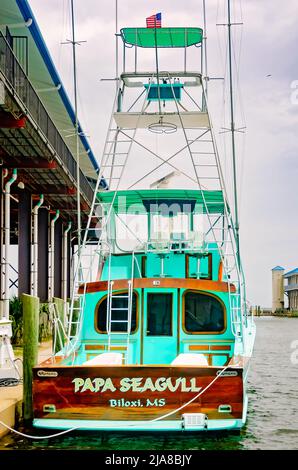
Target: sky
point(266, 104)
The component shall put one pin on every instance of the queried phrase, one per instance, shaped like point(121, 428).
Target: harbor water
point(272, 421)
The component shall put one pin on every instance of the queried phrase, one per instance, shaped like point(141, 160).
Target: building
point(291, 288)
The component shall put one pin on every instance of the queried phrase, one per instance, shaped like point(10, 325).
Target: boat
point(159, 335)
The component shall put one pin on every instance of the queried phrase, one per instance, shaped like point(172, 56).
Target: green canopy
point(124, 200)
point(164, 37)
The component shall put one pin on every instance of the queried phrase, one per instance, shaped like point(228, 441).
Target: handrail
point(22, 87)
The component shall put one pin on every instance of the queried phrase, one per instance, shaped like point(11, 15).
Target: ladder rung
point(121, 308)
point(119, 321)
point(115, 333)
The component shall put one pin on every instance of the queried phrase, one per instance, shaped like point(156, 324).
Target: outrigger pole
point(117, 45)
point(74, 43)
point(233, 132)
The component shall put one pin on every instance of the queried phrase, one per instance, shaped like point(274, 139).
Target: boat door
point(160, 328)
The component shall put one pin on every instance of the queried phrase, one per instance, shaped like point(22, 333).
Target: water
point(272, 415)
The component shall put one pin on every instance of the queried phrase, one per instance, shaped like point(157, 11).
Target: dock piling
point(30, 349)
point(60, 311)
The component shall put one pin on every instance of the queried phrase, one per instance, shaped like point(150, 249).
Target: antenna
point(117, 45)
point(233, 131)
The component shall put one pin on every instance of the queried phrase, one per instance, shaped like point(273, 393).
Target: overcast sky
point(266, 54)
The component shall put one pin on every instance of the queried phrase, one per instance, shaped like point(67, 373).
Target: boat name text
point(136, 384)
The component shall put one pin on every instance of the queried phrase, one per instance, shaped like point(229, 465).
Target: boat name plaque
point(47, 373)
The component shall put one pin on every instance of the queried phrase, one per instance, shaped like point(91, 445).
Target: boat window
point(120, 301)
point(159, 315)
point(131, 232)
point(203, 313)
point(165, 227)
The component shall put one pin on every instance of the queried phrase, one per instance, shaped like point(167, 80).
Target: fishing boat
point(158, 336)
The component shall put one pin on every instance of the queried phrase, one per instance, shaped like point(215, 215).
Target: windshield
point(175, 227)
point(131, 232)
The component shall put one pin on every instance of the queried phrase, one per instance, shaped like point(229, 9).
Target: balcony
point(291, 287)
point(24, 100)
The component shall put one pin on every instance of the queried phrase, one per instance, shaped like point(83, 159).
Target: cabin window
point(203, 313)
point(120, 301)
point(159, 314)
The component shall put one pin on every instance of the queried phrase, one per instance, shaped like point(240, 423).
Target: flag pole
point(157, 69)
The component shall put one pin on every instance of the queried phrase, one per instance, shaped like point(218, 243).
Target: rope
point(9, 382)
point(29, 436)
point(194, 398)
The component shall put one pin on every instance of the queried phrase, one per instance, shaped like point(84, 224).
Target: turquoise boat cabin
point(160, 288)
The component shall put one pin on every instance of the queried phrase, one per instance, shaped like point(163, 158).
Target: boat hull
point(139, 398)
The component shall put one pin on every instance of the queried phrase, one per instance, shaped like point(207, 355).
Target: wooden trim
point(203, 332)
point(198, 347)
point(224, 347)
point(207, 347)
point(220, 271)
point(94, 347)
point(155, 282)
point(91, 356)
point(207, 341)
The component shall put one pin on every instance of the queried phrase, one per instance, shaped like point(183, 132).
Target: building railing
point(23, 89)
point(290, 287)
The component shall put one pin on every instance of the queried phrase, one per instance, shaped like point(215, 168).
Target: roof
point(162, 37)
point(44, 76)
point(291, 273)
point(278, 268)
point(123, 200)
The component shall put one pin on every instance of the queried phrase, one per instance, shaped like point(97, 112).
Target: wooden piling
point(59, 333)
point(30, 349)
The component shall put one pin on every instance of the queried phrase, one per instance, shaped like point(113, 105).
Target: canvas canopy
point(162, 37)
point(124, 200)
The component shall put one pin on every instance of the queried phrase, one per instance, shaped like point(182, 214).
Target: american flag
point(154, 21)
